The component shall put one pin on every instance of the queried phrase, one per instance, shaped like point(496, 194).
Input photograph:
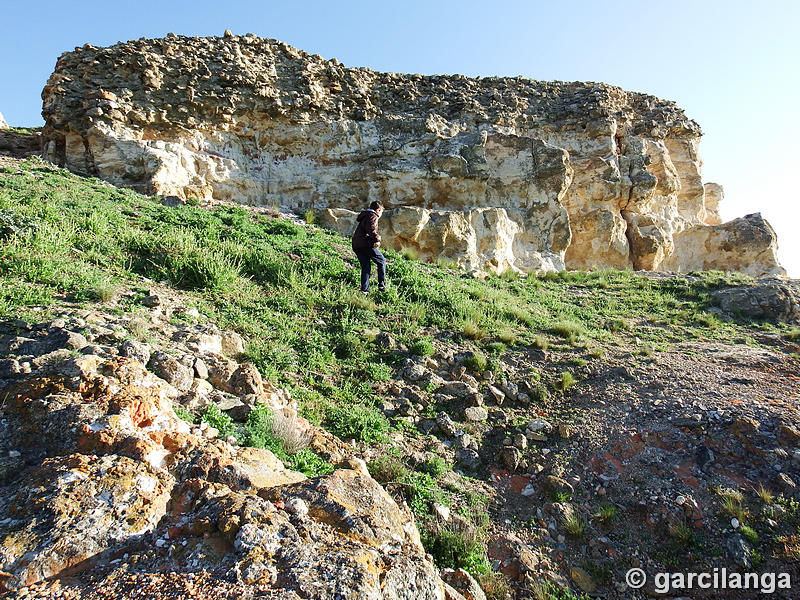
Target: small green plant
point(596, 352)
point(279, 434)
point(573, 523)
point(547, 590)
point(422, 347)
point(733, 503)
point(606, 513)
point(378, 371)
point(541, 342)
point(508, 336)
point(793, 334)
point(309, 216)
point(183, 414)
point(765, 495)
point(561, 496)
point(446, 263)
point(218, 420)
point(565, 381)
point(749, 534)
point(471, 329)
point(646, 350)
point(540, 394)
point(358, 422)
point(476, 362)
point(615, 325)
point(494, 586)
point(434, 466)
point(139, 328)
point(386, 468)
point(569, 330)
point(456, 547)
point(496, 348)
point(680, 532)
point(103, 291)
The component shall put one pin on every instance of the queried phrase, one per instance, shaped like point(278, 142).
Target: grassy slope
point(291, 290)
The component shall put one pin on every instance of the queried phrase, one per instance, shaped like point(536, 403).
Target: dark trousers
point(366, 256)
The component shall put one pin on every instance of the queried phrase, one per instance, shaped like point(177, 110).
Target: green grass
point(358, 422)
point(291, 289)
point(422, 347)
point(435, 466)
point(259, 431)
point(476, 362)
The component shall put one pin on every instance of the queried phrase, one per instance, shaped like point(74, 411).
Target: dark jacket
point(366, 233)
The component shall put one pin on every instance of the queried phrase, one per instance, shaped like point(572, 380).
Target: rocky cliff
point(490, 173)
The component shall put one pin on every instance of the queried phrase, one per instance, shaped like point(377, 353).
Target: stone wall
point(490, 173)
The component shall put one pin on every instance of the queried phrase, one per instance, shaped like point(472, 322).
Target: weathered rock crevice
point(493, 174)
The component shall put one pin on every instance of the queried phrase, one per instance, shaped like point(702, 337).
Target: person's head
point(377, 206)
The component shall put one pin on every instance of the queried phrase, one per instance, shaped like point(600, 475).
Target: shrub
point(496, 347)
point(309, 216)
point(456, 547)
point(362, 423)
point(434, 466)
point(183, 414)
point(387, 468)
point(476, 362)
point(422, 347)
point(218, 420)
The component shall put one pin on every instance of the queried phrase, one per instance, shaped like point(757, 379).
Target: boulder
point(773, 300)
point(171, 370)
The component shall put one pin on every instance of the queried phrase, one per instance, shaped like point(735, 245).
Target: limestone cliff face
point(492, 173)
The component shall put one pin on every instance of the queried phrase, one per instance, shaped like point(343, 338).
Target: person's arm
point(372, 229)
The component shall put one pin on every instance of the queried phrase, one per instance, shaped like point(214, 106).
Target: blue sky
point(734, 66)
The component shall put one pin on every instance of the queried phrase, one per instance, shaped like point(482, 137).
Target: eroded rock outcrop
point(94, 463)
point(493, 173)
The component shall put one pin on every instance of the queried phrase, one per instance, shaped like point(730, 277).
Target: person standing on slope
point(365, 244)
